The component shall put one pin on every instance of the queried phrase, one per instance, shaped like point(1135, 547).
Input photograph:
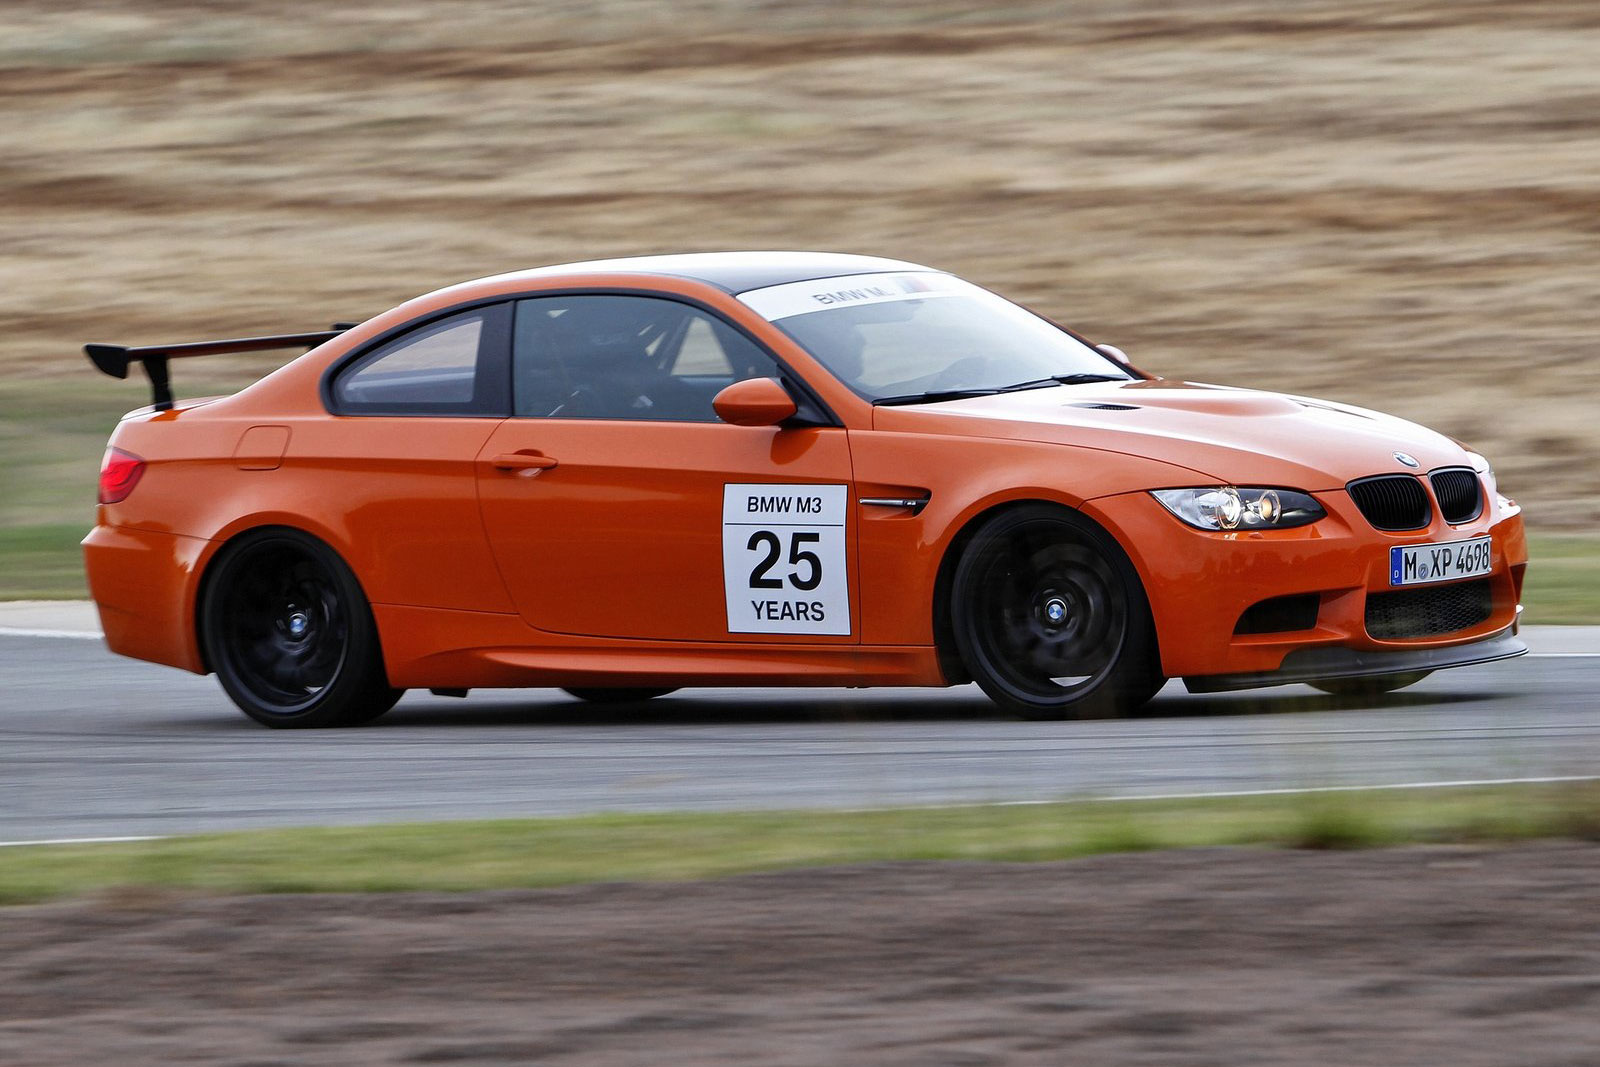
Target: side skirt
point(432, 648)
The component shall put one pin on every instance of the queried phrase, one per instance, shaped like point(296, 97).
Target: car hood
point(1237, 436)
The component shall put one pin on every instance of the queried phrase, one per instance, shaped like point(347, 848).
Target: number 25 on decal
point(798, 557)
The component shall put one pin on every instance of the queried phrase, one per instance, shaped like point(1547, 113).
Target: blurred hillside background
point(1388, 204)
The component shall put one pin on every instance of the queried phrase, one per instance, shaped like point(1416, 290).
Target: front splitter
point(1318, 664)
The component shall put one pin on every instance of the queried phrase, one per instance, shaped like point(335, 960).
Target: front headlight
point(1229, 508)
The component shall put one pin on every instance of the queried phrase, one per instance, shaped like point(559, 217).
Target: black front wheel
point(1051, 619)
point(287, 629)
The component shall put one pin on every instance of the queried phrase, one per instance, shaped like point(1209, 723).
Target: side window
point(453, 366)
point(626, 357)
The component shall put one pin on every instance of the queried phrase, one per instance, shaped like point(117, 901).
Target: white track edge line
point(80, 635)
point(1464, 783)
point(1370, 787)
point(81, 841)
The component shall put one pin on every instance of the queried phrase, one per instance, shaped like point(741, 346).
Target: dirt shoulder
point(1412, 956)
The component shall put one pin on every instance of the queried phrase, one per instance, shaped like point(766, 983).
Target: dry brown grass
point(1389, 204)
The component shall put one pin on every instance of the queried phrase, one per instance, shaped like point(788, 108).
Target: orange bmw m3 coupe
point(775, 468)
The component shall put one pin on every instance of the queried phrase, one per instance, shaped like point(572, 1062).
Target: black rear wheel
point(290, 634)
point(1051, 619)
point(617, 696)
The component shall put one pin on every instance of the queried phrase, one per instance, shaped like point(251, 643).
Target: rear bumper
point(143, 583)
point(1317, 664)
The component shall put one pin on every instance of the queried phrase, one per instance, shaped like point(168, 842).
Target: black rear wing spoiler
point(114, 359)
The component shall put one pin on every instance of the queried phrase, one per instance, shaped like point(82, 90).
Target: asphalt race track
point(93, 745)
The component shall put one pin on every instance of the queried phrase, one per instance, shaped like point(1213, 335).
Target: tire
point(1371, 686)
point(287, 629)
point(1096, 659)
point(1139, 697)
point(618, 696)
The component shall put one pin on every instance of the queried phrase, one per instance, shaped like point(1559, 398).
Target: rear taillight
point(119, 473)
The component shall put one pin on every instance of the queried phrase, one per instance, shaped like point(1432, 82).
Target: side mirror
point(1115, 353)
point(754, 402)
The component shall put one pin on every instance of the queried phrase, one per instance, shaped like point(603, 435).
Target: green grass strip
point(43, 562)
point(520, 853)
point(1563, 583)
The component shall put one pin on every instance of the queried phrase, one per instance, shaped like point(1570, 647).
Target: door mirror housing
point(754, 402)
point(1115, 353)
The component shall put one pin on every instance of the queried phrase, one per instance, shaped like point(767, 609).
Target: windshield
point(905, 338)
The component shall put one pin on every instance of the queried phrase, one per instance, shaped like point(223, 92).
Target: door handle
point(522, 461)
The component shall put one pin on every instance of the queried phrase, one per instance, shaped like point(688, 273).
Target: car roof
point(732, 272)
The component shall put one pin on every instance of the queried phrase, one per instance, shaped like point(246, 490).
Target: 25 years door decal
point(783, 559)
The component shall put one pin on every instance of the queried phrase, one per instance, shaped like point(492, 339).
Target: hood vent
point(1105, 407)
point(1303, 402)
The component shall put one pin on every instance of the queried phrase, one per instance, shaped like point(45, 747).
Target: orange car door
point(395, 470)
point(618, 505)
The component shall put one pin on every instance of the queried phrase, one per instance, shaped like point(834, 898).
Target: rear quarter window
point(451, 366)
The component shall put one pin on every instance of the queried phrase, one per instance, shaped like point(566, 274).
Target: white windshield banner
point(801, 298)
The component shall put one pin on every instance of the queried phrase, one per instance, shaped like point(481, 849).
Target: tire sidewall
point(358, 685)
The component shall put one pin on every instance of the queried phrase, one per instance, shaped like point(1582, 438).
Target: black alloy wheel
point(1370, 686)
point(618, 695)
point(1051, 619)
point(289, 633)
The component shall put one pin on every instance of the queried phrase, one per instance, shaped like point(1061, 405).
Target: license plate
point(1442, 562)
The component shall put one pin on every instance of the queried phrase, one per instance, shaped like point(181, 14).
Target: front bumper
point(1201, 583)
